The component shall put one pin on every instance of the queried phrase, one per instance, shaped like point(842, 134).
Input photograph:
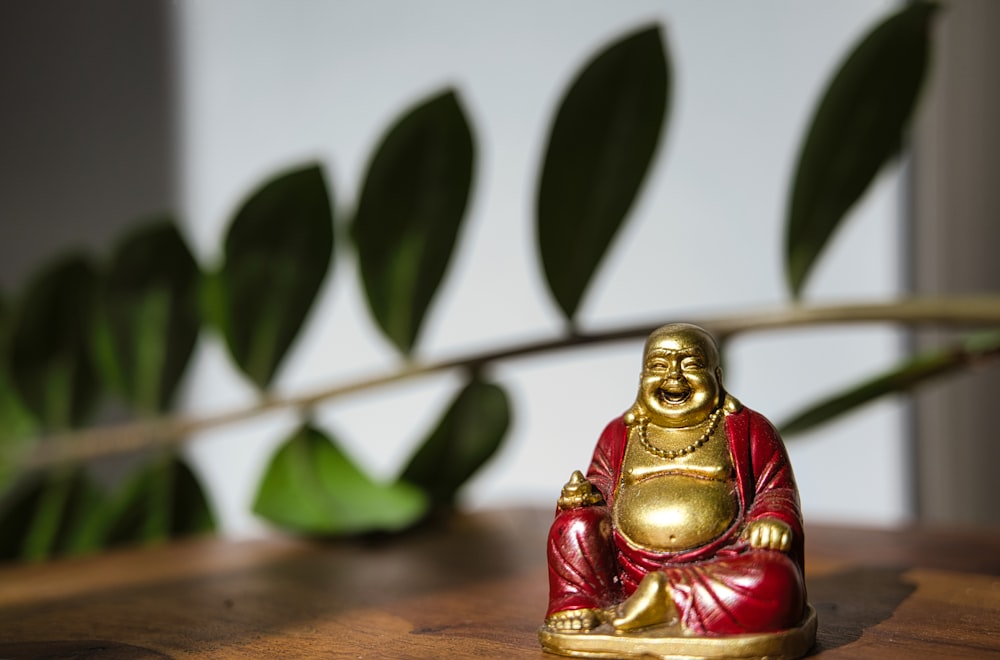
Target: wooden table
point(475, 589)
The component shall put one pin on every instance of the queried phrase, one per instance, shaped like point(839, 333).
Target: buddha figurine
point(685, 536)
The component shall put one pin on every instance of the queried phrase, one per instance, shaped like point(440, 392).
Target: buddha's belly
point(674, 512)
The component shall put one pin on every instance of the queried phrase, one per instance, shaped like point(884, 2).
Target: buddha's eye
point(689, 364)
point(656, 365)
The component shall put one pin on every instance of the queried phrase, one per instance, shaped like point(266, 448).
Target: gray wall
point(956, 200)
point(87, 114)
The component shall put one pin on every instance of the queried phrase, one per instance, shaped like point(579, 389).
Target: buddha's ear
point(732, 404)
point(718, 374)
point(636, 414)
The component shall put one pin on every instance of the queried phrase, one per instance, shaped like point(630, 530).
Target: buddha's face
point(681, 380)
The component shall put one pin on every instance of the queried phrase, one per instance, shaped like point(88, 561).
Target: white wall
point(267, 85)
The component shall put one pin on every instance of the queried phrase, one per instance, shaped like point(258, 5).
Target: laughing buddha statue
point(685, 537)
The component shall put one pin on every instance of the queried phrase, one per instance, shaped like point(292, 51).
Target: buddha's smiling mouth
point(674, 393)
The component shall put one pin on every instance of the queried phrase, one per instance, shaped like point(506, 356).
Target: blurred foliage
point(51, 366)
point(601, 143)
point(920, 369)
point(466, 437)
point(410, 212)
point(859, 126)
point(85, 332)
point(146, 320)
point(311, 486)
point(278, 250)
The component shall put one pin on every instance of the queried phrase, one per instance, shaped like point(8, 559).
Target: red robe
point(724, 587)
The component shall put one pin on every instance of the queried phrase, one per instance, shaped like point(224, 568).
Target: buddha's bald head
point(681, 381)
point(673, 336)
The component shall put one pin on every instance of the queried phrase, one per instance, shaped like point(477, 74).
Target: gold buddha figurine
point(685, 537)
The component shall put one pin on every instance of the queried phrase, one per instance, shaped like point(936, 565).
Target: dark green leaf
point(277, 252)
point(46, 515)
point(63, 512)
point(191, 512)
point(915, 371)
point(49, 357)
point(600, 148)
point(148, 315)
point(16, 423)
point(17, 426)
point(212, 300)
point(163, 500)
point(410, 211)
point(82, 516)
point(858, 127)
point(17, 433)
point(312, 487)
point(17, 510)
point(466, 437)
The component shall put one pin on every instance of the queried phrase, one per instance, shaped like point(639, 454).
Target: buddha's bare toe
point(650, 605)
point(580, 620)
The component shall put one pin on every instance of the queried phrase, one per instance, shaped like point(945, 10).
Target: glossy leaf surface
point(912, 373)
point(148, 315)
point(311, 486)
point(599, 151)
point(857, 128)
point(410, 211)
point(49, 349)
point(278, 250)
point(466, 437)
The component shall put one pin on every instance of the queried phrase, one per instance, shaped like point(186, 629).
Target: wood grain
point(475, 589)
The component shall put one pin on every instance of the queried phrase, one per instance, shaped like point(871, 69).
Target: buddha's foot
point(580, 620)
point(650, 605)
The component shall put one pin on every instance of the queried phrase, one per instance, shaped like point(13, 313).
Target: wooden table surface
point(476, 589)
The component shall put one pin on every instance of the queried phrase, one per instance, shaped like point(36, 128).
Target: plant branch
point(100, 441)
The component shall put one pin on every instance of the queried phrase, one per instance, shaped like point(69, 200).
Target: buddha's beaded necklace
point(671, 454)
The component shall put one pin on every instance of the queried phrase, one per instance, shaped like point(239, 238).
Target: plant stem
point(100, 441)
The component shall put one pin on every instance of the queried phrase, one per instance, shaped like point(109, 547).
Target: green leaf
point(466, 437)
point(17, 432)
point(82, 516)
point(63, 512)
point(163, 500)
point(50, 364)
point(311, 486)
point(858, 127)
point(916, 371)
point(44, 514)
point(600, 147)
point(278, 250)
point(192, 513)
point(410, 211)
point(148, 316)
point(17, 510)
point(17, 426)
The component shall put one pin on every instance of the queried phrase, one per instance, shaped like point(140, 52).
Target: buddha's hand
point(769, 534)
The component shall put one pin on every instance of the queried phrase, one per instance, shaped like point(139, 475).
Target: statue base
point(664, 643)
